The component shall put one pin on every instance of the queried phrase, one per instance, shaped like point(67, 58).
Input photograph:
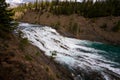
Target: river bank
point(20, 60)
point(94, 29)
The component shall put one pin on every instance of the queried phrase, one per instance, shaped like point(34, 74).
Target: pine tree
point(5, 17)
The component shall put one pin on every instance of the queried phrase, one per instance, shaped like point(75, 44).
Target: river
point(87, 60)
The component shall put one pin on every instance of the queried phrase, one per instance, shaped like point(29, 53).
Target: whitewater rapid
point(72, 52)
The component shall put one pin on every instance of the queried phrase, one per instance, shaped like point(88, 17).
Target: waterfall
point(87, 62)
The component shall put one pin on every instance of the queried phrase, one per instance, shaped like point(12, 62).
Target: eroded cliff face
point(94, 29)
point(27, 62)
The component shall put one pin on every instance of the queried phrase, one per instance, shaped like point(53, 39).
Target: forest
point(86, 8)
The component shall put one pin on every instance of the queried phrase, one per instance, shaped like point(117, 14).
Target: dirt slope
point(28, 64)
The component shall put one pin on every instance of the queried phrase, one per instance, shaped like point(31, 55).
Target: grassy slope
point(27, 64)
point(94, 29)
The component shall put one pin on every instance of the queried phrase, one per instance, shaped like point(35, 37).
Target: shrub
point(74, 28)
point(48, 15)
point(47, 69)
point(20, 33)
point(58, 76)
point(4, 35)
point(104, 26)
point(28, 57)
point(37, 54)
point(53, 54)
point(56, 25)
point(23, 42)
point(116, 28)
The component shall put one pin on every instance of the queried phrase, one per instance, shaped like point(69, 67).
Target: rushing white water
point(70, 51)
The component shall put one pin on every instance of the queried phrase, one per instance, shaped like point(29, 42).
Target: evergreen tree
point(5, 17)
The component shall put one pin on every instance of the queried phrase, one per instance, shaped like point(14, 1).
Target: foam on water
point(69, 51)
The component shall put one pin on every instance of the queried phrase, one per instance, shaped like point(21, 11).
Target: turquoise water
point(111, 52)
point(88, 60)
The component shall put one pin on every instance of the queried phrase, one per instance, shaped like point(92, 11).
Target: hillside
point(27, 62)
point(94, 29)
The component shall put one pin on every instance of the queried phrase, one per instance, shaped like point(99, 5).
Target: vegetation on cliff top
point(87, 20)
point(87, 8)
